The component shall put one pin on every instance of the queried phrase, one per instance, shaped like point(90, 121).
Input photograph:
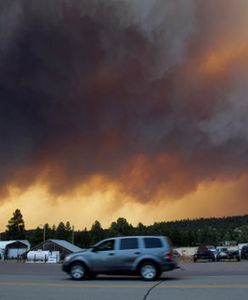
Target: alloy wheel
point(77, 272)
point(148, 271)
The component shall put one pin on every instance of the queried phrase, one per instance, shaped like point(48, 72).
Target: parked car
point(147, 256)
point(204, 253)
point(224, 253)
point(213, 250)
point(244, 252)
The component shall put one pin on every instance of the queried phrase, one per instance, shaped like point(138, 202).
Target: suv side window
point(153, 243)
point(106, 246)
point(130, 243)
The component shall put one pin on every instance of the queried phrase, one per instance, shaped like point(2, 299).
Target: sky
point(128, 108)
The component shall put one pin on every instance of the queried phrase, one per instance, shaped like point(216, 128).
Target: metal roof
point(66, 245)
point(3, 244)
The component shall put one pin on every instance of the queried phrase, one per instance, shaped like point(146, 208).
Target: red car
point(204, 253)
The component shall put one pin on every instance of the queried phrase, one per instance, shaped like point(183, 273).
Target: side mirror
point(94, 249)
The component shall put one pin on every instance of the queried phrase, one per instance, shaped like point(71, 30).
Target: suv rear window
point(131, 243)
point(152, 243)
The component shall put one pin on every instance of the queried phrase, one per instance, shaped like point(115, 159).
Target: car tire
point(78, 271)
point(238, 258)
point(195, 259)
point(149, 271)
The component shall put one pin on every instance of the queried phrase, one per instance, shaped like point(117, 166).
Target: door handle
point(111, 254)
point(137, 253)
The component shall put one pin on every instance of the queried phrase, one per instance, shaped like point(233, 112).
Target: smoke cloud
point(149, 94)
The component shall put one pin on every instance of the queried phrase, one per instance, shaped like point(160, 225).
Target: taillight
point(169, 255)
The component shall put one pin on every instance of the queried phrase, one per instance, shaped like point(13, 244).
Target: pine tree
point(61, 231)
point(121, 227)
point(16, 226)
point(96, 232)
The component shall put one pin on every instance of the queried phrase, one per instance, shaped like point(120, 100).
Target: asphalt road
point(201, 281)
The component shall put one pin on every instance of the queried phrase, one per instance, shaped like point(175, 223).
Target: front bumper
point(66, 267)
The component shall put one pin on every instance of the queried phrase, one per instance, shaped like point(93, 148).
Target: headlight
point(68, 257)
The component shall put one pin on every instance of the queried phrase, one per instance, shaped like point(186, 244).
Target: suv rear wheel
point(148, 271)
point(78, 271)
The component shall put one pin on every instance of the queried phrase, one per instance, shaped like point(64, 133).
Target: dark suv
point(205, 253)
point(147, 256)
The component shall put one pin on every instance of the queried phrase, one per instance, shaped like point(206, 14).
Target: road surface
point(201, 281)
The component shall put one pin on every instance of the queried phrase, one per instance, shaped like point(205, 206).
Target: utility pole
point(44, 233)
point(72, 235)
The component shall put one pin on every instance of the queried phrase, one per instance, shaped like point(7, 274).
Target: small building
point(13, 249)
point(230, 243)
point(60, 246)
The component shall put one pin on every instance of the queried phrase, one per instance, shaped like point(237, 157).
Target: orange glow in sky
point(86, 204)
point(218, 60)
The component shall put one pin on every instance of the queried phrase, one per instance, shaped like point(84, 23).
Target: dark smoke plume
point(124, 89)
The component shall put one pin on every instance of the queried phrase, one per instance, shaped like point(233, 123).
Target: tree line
point(214, 231)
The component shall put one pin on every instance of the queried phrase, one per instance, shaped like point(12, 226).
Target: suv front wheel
point(78, 271)
point(148, 271)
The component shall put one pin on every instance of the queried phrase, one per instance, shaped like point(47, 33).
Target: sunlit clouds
point(89, 203)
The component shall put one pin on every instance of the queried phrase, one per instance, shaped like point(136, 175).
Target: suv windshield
point(105, 246)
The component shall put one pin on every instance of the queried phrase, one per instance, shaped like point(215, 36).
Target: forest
point(214, 231)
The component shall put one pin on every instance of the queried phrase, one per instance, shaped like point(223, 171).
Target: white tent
point(13, 248)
